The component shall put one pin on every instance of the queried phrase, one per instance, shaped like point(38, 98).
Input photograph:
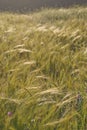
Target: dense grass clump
point(43, 70)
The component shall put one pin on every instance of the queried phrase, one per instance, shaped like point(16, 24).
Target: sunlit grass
point(43, 70)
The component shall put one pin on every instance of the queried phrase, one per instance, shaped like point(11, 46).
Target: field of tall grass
point(43, 70)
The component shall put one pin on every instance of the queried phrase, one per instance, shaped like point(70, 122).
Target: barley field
point(43, 70)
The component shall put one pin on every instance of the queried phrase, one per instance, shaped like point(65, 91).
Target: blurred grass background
point(43, 70)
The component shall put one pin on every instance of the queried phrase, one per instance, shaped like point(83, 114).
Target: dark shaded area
point(27, 5)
